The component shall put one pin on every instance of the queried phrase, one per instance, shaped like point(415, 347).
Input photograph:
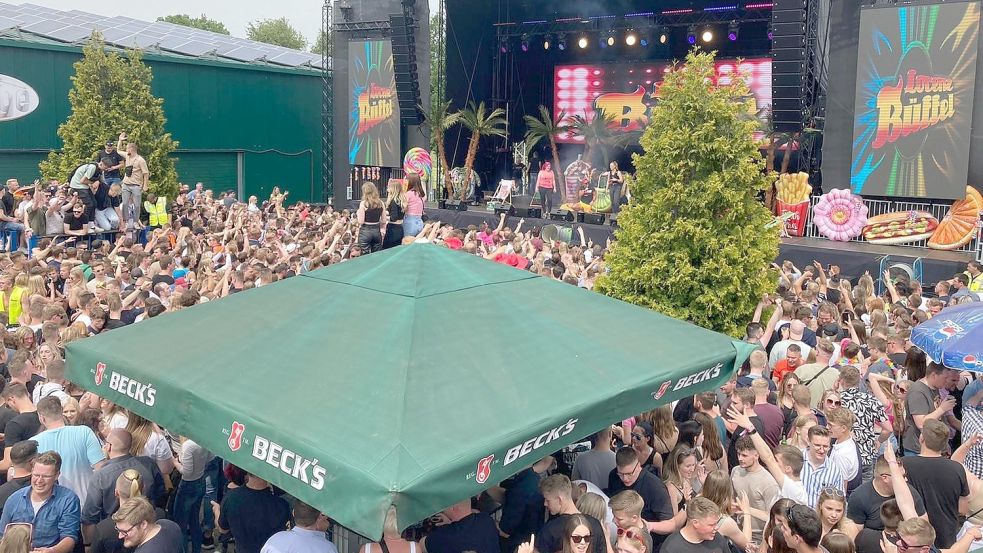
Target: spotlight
point(610, 39)
point(503, 46)
point(547, 42)
point(732, 31)
point(631, 38)
point(582, 42)
point(645, 38)
point(525, 43)
point(691, 35)
point(771, 34)
point(707, 35)
point(562, 42)
point(663, 35)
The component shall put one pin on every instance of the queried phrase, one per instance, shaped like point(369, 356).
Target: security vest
point(157, 212)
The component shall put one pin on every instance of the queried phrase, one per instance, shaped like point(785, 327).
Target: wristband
point(752, 432)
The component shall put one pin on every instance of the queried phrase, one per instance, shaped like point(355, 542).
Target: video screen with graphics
point(916, 76)
point(629, 90)
point(373, 123)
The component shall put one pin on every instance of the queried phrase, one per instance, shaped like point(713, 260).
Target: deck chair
point(503, 195)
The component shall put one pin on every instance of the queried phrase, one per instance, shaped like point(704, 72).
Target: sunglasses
point(905, 546)
point(833, 491)
point(629, 533)
point(580, 539)
point(833, 402)
point(902, 390)
point(637, 436)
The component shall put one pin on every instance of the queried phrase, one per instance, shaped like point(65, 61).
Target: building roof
point(47, 25)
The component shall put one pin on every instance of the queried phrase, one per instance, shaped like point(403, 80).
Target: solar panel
point(73, 33)
point(27, 19)
point(195, 48)
point(115, 36)
point(244, 53)
point(7, 23)
point(138, 41)
point(169, 42)
point(291, 59)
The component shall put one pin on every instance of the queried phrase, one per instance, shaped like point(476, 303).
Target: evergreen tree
point(276, 31)
point(693, 243)
point(202, 22)
point(111, 94)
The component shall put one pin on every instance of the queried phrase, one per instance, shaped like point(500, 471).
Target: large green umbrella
point(414, 377)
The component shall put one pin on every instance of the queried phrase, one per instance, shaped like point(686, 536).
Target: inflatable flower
point(840, 215)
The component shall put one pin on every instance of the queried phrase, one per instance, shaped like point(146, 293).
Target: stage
point(853, 258)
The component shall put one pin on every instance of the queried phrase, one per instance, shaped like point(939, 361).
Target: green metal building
point(247, 115)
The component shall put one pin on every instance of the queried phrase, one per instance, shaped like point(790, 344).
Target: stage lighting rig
point(663, 33)
point(707, 35)
point(732, 31)
point(547, 42)
point(525, 43)
point(582, 42)
point(691, 35)
point(631, 38)
point(503, 45)
point(610, 40)
point(561, 42)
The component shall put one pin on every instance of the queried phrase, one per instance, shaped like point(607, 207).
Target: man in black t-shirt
point(628, 474)
point(941, 482)
point(252, 513)
point(699, 535)
point(557, 493)
point(114, 162)
point(22, 427)
point(868, 540)
point(464, 531)
point(76, 222)
point(864, 507)
point(742, 399)
point(21, 457)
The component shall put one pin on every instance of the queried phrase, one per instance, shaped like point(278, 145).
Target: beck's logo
point(235, 436)
point(484, 469)
point(662, 390)
point(532, 444)
point(702, 376)
point(133, 388)
point(100, 371)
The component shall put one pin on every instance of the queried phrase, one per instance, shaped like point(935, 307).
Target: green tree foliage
point(201, 22)
point(440, 118)
point(480, 122)
point(323, 44)
point(549, 128)
point(111, 94)
point(693, 242)
point(276, 31)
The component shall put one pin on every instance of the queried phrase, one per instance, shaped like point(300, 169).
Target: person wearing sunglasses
point(917, 535)
point(802, 530)
point(832, 513)
point(633, 540)
point(699, 535)
point(557, 493)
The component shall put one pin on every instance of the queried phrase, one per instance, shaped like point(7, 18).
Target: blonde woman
point(371, 216)
point(16, 538)
point(148, 440)
point(396, 206)
point(392, 537)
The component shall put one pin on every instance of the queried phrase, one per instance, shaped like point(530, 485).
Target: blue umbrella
point(954, 337)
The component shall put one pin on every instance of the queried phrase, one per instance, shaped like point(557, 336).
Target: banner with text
point(916, 78)
point(373, 122)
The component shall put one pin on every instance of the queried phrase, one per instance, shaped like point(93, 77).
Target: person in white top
point(307, 535)
point(785, 465)
point(392, 537)
point(844, 452)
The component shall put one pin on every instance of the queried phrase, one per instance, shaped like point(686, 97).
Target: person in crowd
point(545, 186)
point(845, 451)
point(395, 207)
point(463, 529)
point(924, 403)
point(682, 477)
point(819, 376)
point(52, 509)
point(23, 425)
point(864, 507)
point(657, 509)
point(940, 482)
point(413, 214)
point(252, 513)
point(595, 465)
point(641, 442)
point(819, 472)
point(752, 480)
point(802, 530)
point(771, 417)
point(77, 446)
point(558, 497)
point(871, 422)
point(700, 532)
point(741, 402)
point(711, 446)
point(101, 499)
point(371, 221)
point(773, 536)
point(719, 488)
point(138, 525)
point(22, 455)
point(831, 509)
point(136, 182)
point(307, 534)
point(391, 536)
point(522, 503)
point(784, 464)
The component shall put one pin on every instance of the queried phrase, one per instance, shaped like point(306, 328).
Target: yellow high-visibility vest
point(158, 212)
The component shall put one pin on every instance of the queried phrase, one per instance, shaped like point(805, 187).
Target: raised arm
point(902, 493)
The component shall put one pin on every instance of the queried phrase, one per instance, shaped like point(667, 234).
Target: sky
point(304, 15)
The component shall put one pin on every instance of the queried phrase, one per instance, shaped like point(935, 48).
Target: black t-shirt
point(253, 516)
point(22, 427)
point(868, 541)
point(476, 532)
point(941, 482)
point(167, 540)
point(6, 415)
point(114, 159)
point(106, 538)
point(658, 506)
point(551, 536)
point(163, 277)
point(12, 486)
point(864, 506)
point(676, 543)
point(76, 223)
point(7, 202)
point(104, 200)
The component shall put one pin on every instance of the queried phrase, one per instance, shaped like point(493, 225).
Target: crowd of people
point(838, 435)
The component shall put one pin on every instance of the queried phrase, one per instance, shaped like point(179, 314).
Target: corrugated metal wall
point(218, 113)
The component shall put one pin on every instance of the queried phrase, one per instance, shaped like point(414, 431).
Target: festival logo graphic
point(484, 469)
point(662, 390)
point(373, 123)
point(631, 111)
point(235, 436)
point(17, 99)
point(100, 372)
point(916, 79)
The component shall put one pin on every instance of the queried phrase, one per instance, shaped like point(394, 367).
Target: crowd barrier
point(11, 238)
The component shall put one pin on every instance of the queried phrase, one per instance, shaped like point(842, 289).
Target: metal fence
point(347, 541)
point(880, 207)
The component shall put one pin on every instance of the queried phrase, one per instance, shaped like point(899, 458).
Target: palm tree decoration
point(480, 122)
point(439, 119)
point(545, 126)
point(601, 132)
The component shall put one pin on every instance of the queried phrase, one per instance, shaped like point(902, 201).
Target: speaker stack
point(789, 64)
point(405, 65)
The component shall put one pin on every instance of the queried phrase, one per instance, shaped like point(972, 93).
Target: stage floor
point(854, 258)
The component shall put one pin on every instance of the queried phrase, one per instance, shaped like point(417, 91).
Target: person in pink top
point(545, 185)
point(413, 217)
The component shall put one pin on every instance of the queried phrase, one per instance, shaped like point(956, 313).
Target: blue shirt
point(56, 520)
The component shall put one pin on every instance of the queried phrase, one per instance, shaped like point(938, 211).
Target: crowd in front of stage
point(837, 436)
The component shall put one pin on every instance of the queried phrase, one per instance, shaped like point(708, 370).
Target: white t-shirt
point(844, 454)
point(157, 448)
point(794, 490)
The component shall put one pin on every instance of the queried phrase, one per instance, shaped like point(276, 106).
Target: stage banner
point(373, 122)
point(630, 90)
point(916, 78)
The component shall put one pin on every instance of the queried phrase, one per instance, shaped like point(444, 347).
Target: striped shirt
point(815, 479)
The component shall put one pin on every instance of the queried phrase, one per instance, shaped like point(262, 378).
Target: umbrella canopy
point(413, 377)
point(954, 337)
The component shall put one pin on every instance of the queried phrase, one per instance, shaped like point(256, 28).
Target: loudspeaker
point(456, 205)
point(521, 200)
point(789, 64)
point(561, 215)
point(594, 218)
point(404, 65)
point(506, 209)
point(531, 212)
